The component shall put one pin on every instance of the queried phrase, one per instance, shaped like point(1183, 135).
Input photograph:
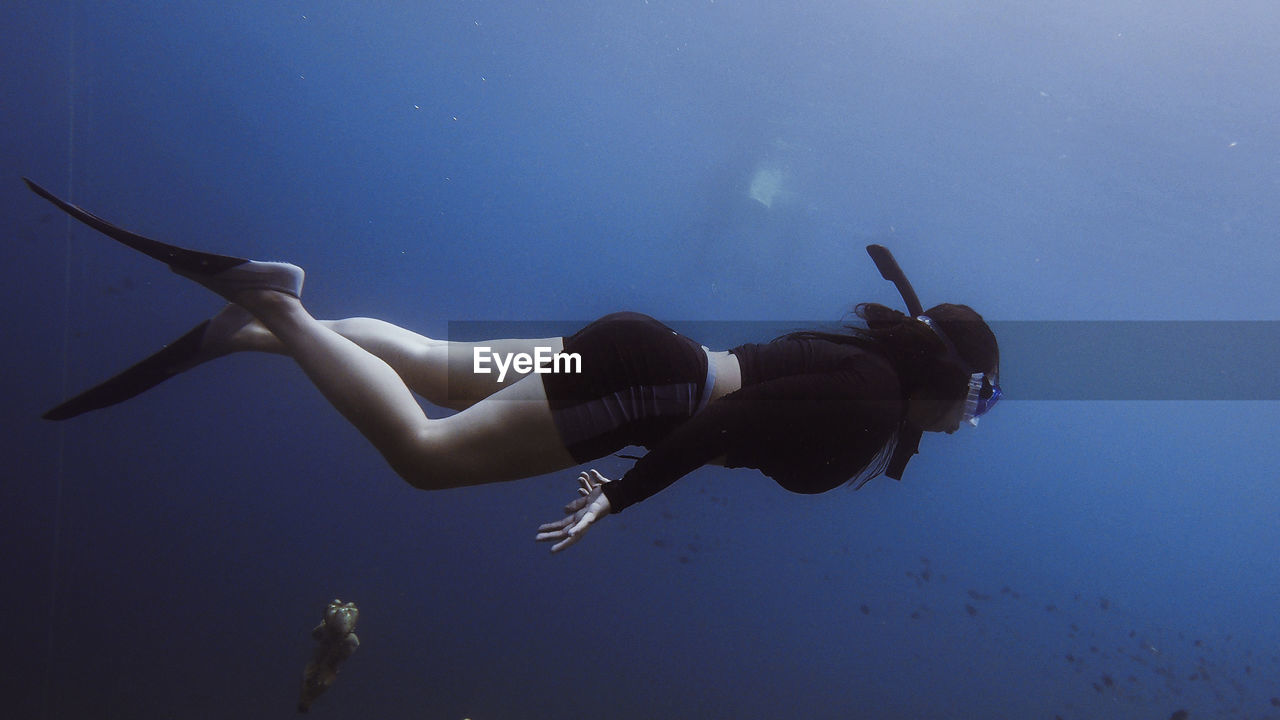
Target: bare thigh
point(441, 371)
point(506, 436)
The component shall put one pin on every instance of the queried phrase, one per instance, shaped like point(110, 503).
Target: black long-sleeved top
point(811, 414)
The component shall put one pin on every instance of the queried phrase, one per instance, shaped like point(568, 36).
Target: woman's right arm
point(812, 420)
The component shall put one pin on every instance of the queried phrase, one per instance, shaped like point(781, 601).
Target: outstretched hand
point(580, 514)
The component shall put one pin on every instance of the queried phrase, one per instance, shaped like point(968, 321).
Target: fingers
point(557, 525)
point(550, 536)
point(565, 543)
point(575, 533)
point(567, 531)
point(577, 504)
point(557, 531)
point(583, 523)
point(572, 525)
point(589, 480)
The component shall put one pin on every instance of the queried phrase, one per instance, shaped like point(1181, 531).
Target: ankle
point(262, 301)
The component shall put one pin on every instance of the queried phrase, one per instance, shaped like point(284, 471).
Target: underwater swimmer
point(335, 642)
point(811, 410)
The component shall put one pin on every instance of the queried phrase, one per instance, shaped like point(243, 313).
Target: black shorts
point(639, 380)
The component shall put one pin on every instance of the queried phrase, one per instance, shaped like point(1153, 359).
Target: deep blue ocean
point(1092, 550)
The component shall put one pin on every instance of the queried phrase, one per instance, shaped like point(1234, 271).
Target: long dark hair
point(917, 352)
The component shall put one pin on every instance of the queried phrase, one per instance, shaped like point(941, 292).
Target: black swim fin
point(171, 360)
point(191, 262)
point(174, 357)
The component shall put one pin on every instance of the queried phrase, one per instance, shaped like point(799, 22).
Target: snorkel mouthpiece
point(982, 396)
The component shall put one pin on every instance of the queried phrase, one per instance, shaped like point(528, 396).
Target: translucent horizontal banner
point(1045, 360)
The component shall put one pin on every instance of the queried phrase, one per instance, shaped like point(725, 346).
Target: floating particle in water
point(915, 615)
point(684, 559)
point(1097, 687)
point(971, 610)
point(1106, 680)
point(978, 596)
point(866, 609)
point(925, 574)
point(1275, 701)
point(659, 543)
point(1104, 603)
point(1075, 628)
point(1070, 658)
point(1051, 608)
point(1179, 715)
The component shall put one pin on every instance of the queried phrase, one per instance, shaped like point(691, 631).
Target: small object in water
point(337, 641)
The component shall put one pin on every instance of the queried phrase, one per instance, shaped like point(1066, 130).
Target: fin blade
point(137, 379)
point(190, 261)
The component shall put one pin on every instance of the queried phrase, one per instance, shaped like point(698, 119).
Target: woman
point(811, 410)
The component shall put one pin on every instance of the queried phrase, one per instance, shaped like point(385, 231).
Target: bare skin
point(369, 369)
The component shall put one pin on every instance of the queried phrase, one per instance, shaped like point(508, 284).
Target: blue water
point(433, 162)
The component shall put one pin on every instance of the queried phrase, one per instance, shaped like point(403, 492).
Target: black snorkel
point(890, 271)
point(908, 435)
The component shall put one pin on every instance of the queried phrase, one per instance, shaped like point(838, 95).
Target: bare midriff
point(728, 373)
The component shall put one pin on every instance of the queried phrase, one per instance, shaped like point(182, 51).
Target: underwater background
point(1100, 554)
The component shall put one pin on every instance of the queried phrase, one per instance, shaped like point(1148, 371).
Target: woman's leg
point(439, 370)
point(509, 435)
